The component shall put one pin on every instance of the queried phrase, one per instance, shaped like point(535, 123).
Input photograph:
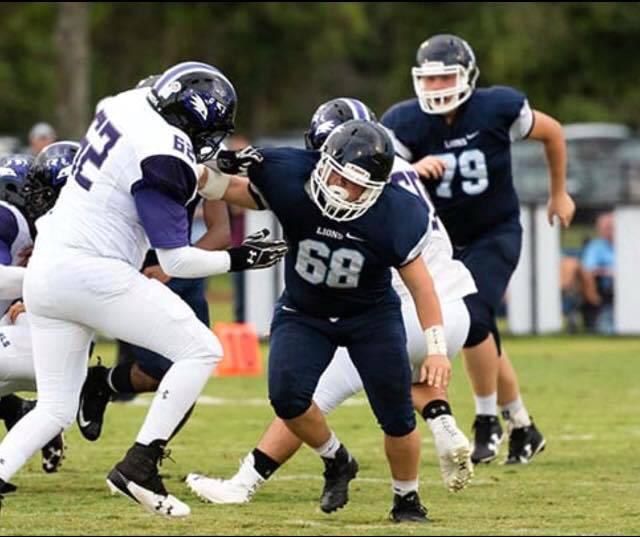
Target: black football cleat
point(94, 398)
point(524, 444)
point(487, 439)
point(337, 474)
point(136, 477)
point(408, 509)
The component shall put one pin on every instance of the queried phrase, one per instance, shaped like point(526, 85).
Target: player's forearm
point(216, 219)
point(549, 131)
point(190, 262)
point(11, 279)
point(427, 306)
point(418, 280)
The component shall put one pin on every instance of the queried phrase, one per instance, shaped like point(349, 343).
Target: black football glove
point(256, 252)
point(237, 162)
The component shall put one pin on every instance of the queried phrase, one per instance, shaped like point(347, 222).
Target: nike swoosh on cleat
point(81, 421)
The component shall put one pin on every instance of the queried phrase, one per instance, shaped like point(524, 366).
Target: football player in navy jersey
point(346, 226)
point(340, 380)
point(459, 139)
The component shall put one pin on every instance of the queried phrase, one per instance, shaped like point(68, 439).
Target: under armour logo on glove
point(238, 162)
point(256, 252)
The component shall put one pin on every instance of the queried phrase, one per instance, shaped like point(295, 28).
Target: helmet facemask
point(448, 99)
point(332, 200)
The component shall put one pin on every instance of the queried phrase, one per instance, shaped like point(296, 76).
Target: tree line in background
point(577, 61)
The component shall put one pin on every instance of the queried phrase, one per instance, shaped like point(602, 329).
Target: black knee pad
point(398, 426)
point(288, 408)
point(483, 322)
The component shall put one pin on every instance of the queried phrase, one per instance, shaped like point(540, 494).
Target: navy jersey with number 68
point(476, 192)
point(337, 269)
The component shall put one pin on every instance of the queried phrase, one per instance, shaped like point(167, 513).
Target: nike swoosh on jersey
point(354, 238)
point(472, 135)
point(291, 310)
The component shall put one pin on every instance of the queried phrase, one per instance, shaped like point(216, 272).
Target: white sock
point(487, 406)
point(520, 418)
point(329, 448)
point(512, 408)
point(402, 488)
point(27, 436)
point(176, 394)
point(247, 474)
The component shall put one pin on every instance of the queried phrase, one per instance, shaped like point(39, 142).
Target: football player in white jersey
point(341, 380)
point(28, 188)
point(129, 184)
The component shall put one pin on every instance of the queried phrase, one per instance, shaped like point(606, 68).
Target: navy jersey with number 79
point(337, 269)
point(476, 192)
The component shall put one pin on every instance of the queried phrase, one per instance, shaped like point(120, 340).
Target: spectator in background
point(236, 220)
point(40, 136)
point(598, 265)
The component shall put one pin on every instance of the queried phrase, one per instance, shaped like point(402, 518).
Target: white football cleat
point(454, 453)
point(239, 489)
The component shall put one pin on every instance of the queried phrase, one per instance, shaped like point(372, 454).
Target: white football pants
point(341, 380)
point(17, 373)
point(68, 298)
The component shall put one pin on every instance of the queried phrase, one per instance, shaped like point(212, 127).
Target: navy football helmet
point(443, 55)
point(331, 114)
point(13, 175)
point(200, 101)
point(47, 176)
point(361, 152)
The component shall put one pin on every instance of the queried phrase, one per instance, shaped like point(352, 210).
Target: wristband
point(436, 342)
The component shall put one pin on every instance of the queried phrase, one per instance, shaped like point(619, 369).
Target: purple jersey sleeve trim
point(169, 175)
point(8, 228)
point(164, 219)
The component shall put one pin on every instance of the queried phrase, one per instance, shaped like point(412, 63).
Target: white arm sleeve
point(11, 282)
point(190, 262)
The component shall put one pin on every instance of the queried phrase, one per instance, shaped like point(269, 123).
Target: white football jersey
point(22, 240)
point(451, 278)
point(96, 211)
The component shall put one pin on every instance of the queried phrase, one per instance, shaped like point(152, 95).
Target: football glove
point(237, 162)
point(256, 252)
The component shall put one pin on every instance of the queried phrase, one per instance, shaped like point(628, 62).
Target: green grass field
point(584, 394)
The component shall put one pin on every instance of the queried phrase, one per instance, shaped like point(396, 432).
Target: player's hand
point(436, 371)
point(562, 206)
point(24, 255)
point(156, 273)
point(237, 162)
point(256, 252)
point(15, 310)
point(430, 167)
